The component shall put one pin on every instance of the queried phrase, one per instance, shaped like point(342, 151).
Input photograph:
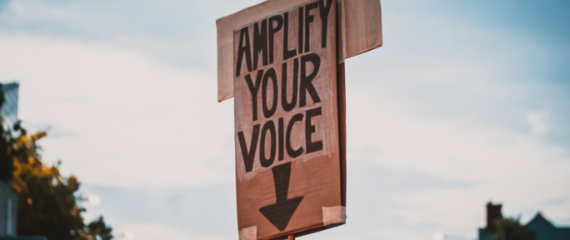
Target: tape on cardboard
point(249, 233)
point(334, 215)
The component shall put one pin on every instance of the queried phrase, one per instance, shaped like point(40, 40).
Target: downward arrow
point(281, 212)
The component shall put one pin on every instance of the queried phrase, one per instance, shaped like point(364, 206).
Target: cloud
point(160, 231)
point(499, 164)
point(132, 119)
point(537, 121)
point(179, 32)
point(207, 211)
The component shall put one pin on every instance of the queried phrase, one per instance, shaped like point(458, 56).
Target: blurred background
point(466, 102)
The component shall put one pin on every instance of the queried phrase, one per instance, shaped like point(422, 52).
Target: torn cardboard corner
point(361, 31)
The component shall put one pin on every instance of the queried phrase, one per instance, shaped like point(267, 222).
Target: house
point(543, 228)
point(547, 231)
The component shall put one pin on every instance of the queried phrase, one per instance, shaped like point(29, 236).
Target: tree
point(98, 228)
point(48, 202)
point(512, 229)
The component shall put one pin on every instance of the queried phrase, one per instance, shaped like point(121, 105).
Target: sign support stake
point(291, 237)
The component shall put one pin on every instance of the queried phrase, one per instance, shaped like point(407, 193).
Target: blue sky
point(466, 102)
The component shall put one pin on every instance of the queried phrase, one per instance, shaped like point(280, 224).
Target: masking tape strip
point(249, 233)
point(334, 215)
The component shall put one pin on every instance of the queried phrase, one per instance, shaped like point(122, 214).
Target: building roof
point(545, 230)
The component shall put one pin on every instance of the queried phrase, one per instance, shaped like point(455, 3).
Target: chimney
point(493, 214)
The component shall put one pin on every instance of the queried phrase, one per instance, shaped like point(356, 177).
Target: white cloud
point(26, 10)
point(119, 118)
point(537, 121)
point(159, 232)
point(497, 164)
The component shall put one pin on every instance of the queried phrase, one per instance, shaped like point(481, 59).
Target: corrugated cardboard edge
point(340, 33)
point(361, 28)
point(334, 215)
point(249, 233)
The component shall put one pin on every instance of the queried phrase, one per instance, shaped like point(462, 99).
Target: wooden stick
point(291, 237)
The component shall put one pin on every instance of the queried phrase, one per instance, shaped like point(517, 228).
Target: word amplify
point(263, 37)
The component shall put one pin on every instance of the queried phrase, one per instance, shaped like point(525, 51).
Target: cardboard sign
point(288, 152)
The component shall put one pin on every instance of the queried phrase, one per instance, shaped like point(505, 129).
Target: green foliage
point(512, 229)
point(48, 202)
point(98, 228)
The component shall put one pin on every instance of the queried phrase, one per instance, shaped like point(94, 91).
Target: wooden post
point(291, 237)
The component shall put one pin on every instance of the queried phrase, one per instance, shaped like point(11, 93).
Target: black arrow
point(281, 212)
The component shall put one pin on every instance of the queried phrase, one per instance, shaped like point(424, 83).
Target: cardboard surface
point(361, 26)
point(361, 32)
point(288, 154)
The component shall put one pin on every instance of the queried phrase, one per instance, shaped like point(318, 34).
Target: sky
point(466, 102)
